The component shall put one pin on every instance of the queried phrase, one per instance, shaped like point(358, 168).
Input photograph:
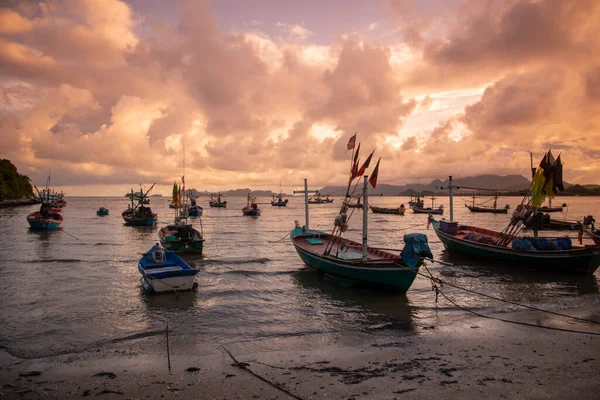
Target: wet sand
point(471, 358)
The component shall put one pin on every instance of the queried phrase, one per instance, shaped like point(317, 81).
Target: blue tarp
point(415, 248)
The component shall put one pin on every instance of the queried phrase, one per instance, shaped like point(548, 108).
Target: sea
point(78, 288)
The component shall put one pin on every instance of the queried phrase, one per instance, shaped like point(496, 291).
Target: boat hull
point(195, 211)
point(383, 210)
point(251, 212)
point(171, 241)
point(550, 209)
point(147, 221)
point(419, 210)
point(490, 210)
point(171, 274)
point(37, 221)
point(218, 205)
point(583, 260)
point(168, 284)
point(389, 273)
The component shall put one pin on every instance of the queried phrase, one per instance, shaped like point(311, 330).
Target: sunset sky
point(107, 92)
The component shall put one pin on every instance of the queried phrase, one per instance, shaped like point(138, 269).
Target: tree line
point(13, 185)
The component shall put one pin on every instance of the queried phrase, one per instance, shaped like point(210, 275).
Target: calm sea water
point(78, 287)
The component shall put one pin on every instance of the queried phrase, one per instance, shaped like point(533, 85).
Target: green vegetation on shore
point(13, 185)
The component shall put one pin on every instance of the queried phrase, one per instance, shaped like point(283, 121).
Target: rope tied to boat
point(434, 283)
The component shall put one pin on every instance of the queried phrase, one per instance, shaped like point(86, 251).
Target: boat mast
point(306, 192)
point(365, 218)
point(450, 187)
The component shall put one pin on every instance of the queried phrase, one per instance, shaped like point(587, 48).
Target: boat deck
point(343, 249)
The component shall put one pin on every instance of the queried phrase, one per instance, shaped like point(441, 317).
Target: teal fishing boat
point(216, 201)
point(102, 211)
point(355, 262)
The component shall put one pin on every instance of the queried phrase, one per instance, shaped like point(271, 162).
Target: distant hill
point(505, 183)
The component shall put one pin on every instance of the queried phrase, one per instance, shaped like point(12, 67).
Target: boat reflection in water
point(368, 308)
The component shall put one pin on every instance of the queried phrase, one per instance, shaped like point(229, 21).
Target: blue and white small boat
point(164, 271)
point(194, 210)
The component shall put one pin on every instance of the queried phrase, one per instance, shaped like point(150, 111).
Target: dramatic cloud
point(112, 94)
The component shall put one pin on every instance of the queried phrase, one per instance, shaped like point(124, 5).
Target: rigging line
point(517, 322)
point(277, 241)
point(73, 236)
point(244, 366)
point(445, 283)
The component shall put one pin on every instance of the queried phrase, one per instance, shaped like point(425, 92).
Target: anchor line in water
point(437, 283)
point(73, 236)
point(277, 241)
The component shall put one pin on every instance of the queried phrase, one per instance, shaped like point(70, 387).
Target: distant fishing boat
point(351, 204)
point(194, 210)
point(548, 223)
point(278, 201)
point(251, 208)
point(388, 210)
point(351, 261)
point(215, 201)
point(102, 211)
point(428, 210)
point(46, 218)
point(164, 271)
point(138, 214)
point(318, 199)
point(487, 209)
point(416, 201)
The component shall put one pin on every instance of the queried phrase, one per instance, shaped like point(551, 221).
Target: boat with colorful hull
point(139, 215)
point(487, 209)
point(181, 238)
point(39, 220)
point(576, 260)
point(355, 262)
point(164, 271)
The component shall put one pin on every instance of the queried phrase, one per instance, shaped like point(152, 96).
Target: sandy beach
point(470, 358)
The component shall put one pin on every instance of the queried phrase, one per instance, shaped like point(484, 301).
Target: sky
point(111, 94)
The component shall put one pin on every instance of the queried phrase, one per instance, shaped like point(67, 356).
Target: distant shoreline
point(17, 203)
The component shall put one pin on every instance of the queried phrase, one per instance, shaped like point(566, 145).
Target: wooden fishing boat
point(514, 250)
point(318, 199)
point(138, 214)
point(181, 237)
point(44, 220)
point(388, 210)
point(550, 209)
point(164, 271)
point(251, 208)
point(416, 201)
point(355, 262)
point(102, 211)
point(278, 201)
point(488, 209)
point(215, 201)
point(427, 210)
point(576, 260)
point(194, 210)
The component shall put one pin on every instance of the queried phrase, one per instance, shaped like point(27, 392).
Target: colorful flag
point(352, 142)
point(354, 171)
point(356, 154)
point(365, 165)
point(373, 178)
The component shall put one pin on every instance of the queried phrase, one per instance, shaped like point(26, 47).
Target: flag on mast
point(356, 154)
point(365, 164)
point(373, 178)
point(351, 142)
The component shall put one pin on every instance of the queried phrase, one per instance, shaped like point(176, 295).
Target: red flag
point(354, 171)
point(365, 165)
point(352, 142)
point(356, 154)
point(373, 178)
